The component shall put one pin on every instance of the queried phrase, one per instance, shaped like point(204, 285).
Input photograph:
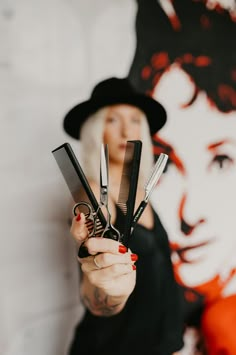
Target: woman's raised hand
point(108, 273)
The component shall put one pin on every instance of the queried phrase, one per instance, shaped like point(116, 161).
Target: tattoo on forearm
point(100, 304)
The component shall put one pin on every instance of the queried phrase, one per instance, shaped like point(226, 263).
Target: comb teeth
point(125, 179)
point(90, 225)
point(123, 207)
point(99, 228)
point(128, 187)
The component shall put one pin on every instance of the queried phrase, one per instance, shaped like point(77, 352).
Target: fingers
point(110, 275)
point(114, 274)
point(110, 264)
point(93, 245)
point(112, 257)
point(104, 245)
point(78, 228)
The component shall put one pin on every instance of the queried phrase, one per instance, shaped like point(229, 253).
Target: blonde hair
point(91, 138)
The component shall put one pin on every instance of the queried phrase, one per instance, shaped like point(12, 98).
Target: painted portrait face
point(196, 198)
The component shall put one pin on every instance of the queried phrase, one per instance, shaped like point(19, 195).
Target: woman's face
point(122, 122)
point(196, 198)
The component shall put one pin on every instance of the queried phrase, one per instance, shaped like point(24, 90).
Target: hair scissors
point(109, 231)
point(92, 221)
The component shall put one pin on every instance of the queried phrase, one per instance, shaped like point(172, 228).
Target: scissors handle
point(83, 204)
point(111, 233)
point(92, 222)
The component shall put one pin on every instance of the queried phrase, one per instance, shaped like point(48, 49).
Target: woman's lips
point(182, 252)
point(122, 146)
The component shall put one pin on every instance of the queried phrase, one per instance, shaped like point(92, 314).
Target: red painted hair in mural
point(204, 41)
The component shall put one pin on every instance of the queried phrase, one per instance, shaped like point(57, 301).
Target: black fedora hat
point(110, 92)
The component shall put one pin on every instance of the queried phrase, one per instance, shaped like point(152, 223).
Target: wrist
point(101, 304)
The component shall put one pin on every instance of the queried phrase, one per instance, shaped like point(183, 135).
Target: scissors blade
point(149, 187)
point(104, 174)
point(155, 175)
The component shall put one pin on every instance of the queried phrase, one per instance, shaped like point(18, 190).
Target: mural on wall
point(186, 58)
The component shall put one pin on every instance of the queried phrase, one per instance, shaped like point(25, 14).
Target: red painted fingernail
point(122, 249)
point(134, 257)
point(78, 218)
point(134, 267)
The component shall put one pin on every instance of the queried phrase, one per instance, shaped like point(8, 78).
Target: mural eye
point(221, 162)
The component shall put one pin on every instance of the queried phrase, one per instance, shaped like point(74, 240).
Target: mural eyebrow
point(160, 143)
point(160, 146)
point(214, 146)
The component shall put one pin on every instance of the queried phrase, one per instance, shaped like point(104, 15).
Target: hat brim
point(154, 111)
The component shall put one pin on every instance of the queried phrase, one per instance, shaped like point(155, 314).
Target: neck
point(115, 172)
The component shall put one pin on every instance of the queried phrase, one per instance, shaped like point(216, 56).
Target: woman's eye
point(136, 120)
point(221, 162)
point(111, 119)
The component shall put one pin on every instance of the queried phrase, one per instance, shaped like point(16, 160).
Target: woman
point(191, 68)
point(130, 296)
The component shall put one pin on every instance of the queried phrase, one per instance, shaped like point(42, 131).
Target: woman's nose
point(187, 227)
point(125, 130)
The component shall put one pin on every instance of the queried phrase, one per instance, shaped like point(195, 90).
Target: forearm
point(98, 302)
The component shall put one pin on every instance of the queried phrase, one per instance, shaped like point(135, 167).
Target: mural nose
point(186, 227)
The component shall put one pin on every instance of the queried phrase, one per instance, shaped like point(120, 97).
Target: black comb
point(128, 187)
point(75, 180)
